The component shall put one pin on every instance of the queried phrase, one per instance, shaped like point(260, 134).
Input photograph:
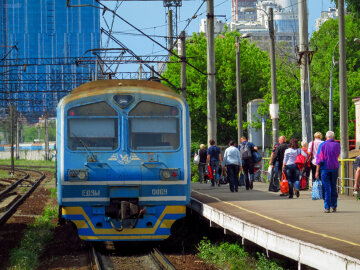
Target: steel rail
point(14, 207)
point(160, 259)
point(95, 259)
point(14, 185)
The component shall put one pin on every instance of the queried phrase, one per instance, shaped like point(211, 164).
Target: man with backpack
point(246, 151)
point(213, 159)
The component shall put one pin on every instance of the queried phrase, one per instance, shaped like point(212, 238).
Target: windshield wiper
point(91, 157)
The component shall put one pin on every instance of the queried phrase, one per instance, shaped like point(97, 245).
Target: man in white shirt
point(232, 161)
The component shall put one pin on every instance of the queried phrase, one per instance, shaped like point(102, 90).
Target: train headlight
point(79, 175)
point(82, 175)
point(166, 174)
point(171, 173)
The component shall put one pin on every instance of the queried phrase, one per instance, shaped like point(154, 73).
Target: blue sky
point(150, 16)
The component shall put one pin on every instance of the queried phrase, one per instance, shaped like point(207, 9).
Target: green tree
point(255, 72)
point(325, 39)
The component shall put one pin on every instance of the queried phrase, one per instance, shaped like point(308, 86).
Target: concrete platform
point(297, 228)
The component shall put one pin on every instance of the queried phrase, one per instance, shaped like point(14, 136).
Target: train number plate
point(90, 193)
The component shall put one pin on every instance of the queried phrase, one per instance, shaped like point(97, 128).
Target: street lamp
point(238, 88)
point(274, 106)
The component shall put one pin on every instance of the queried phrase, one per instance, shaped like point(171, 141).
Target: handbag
point(197, 158)
point(284, 184)
point(300, 161)
point(317, 191)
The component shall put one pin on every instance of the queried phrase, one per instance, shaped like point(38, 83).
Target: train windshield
point(92, 126)
point(154, 127)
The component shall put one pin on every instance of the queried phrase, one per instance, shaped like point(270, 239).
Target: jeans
point(292, 174)
point(233, 174)
point(248, 167)
point(215, 171)
point(201, 171)
point(329, 180)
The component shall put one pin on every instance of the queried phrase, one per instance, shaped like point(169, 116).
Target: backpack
point(245, 151)
point(256, 157)
point(300, 161)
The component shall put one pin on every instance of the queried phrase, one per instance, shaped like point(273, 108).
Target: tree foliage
point(325, 39)
point(255, 72)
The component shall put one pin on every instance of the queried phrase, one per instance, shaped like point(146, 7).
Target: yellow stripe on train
point(171, 209)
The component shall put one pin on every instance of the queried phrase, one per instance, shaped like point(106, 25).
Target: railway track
point(108, 257)
point(14, 194)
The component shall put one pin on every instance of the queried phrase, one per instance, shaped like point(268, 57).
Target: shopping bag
point(208, 172)
point(242, 179)
point(196, 158)
point(284, 185)
point(303, 182)
point(317, 192)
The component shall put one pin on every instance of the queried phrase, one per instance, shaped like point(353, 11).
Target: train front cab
point(124, 169)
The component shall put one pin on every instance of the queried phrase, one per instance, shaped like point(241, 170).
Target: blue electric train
point(123, 169)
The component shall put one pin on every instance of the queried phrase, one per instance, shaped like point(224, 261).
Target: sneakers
point(236, 190)
point(297, 192)
point(251, 184)
point(327, 211)
point(333, 209)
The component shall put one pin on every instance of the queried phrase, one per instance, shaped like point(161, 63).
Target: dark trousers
point(329, 181)
point(233, 174)
point(313, 172)
point(248, 167)
point(292, 175)
point(215, 171)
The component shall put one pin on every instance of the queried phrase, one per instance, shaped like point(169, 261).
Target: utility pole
point(211, 85)
point(183, 64)
point(344, 136)
point(238, 91)
point(12, 116)
point(152, 71)
point(46, 137)
point(170, 30)
point(140, 72)
point(17, 156)
point(275, 105)
point(306, 113)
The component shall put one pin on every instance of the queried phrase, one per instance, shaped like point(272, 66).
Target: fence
point(346, 178)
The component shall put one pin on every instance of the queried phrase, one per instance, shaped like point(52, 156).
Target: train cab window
point(154, 127)
point(92, 126)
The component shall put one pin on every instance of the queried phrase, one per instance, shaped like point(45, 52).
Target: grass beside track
point(25, 162)
point(233, 256)
point(36, 237)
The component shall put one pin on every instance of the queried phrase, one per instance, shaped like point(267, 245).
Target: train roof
point(108, 84)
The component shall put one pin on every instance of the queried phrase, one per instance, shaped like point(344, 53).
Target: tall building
point(39, 43)
point(332, 13)
point(286, 22)
point(238, 15)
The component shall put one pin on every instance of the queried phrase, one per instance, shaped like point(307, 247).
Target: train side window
point(92, 126)
point(154, 126)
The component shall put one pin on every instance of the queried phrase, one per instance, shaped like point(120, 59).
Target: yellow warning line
point(280, 222)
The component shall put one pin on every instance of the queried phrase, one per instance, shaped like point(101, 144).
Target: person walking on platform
point(274, 175)
point(312, 153)
point(202, 163)
point(278, 157)
point(213, 159)
point(246, 149)
point(327, 161)
point(232, 161)
point(357, 173)
point(291, 169)
point(305, 172)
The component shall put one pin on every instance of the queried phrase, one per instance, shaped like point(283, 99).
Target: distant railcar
point(28, 146)
point(123, 169)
